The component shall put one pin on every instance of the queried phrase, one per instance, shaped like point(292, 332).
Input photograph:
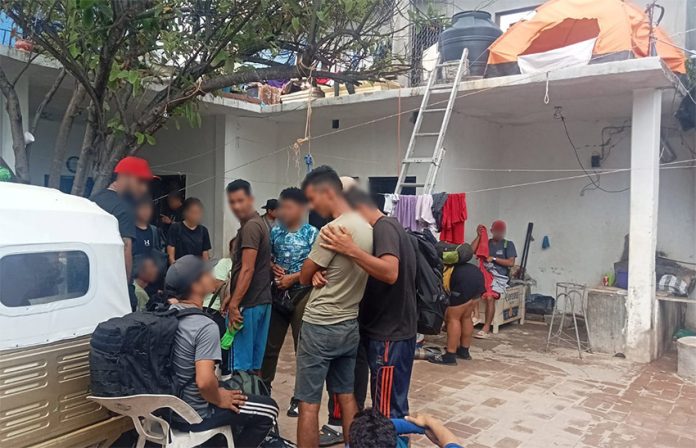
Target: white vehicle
point(61, 273)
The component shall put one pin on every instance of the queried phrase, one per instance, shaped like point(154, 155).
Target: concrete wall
point(586, 232)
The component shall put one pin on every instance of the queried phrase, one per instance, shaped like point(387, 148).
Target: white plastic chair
point(155, 429)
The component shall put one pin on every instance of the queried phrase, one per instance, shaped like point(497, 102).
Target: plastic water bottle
point(228, 337)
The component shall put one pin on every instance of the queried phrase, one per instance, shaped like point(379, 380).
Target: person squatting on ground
point(195, 353)
point(291, 242)
point(372, 429)
point(388, 313)
point(189, 237)
point(249, 302)
point(329, 336)
point(501, 259)
point(130, 183)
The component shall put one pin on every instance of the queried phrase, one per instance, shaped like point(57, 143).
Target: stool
point(570, 299)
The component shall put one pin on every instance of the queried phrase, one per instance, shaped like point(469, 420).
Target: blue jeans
point(250, 342)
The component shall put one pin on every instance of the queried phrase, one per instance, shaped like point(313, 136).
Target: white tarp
point(41, 220)
point(568, 56)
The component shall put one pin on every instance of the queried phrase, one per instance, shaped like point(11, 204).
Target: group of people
point(347, 291)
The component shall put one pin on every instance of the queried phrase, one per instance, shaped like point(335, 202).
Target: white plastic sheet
point(568, 56)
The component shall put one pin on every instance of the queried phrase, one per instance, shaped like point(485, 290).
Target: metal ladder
point(439, 151)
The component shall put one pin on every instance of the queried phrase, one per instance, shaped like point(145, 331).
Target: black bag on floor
point(132, 355)
point(431, 298)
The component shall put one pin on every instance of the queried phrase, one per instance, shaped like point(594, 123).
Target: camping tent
point(570, 32)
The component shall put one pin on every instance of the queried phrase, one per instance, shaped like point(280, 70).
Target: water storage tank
point(473, 30)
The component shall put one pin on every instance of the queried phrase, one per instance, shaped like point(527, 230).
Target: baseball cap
point(498, 225)
point(183, 273)
point(271, 204)
point(134, 166)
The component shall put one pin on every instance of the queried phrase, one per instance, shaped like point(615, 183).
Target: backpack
point(248, 383)
point(132, 355)
point(432, 301)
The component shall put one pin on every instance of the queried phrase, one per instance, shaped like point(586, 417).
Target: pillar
point(645, 184)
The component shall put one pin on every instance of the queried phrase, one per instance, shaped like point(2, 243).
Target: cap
point(498, 225)
point(134, 166)
point(183, 273)
point(271, 204)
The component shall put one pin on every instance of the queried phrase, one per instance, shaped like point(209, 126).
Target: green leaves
point(141, 138)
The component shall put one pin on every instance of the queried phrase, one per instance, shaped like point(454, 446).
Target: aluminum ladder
point(435, 160)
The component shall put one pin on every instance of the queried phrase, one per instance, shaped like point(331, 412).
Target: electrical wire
point(577, 157)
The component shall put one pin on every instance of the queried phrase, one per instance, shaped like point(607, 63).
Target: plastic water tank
point(473, 30)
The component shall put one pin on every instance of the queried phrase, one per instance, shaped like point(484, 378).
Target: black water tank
point(473, 30)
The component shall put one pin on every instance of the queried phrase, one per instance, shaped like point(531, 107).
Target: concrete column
point(645, 185)
point(231, 155)
point(220, 203)
point(22, 89)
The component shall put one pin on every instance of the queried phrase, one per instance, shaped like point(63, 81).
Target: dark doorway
point(379, 186)
point(160, 188)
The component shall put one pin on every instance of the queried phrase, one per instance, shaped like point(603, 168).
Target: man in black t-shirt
point(132, 175)
point(388, 314)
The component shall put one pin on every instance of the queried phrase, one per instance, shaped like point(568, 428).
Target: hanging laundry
point(439, 200)
point(453, 217)
point(405, 212)
point(424, 212)
point(482, 253)
point(389, 201)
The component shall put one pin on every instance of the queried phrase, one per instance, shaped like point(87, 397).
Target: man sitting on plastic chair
point(196, 350)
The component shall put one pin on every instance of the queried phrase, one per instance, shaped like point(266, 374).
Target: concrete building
point(506, 148)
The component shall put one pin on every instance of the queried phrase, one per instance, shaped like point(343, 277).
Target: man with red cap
point(130, 183)
point(501, 259)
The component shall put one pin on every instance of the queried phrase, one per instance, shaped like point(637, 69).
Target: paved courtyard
point(513, 394)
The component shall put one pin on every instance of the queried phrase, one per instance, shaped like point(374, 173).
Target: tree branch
point(47, 99)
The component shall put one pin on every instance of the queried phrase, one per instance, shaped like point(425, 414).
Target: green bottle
point(228, 337)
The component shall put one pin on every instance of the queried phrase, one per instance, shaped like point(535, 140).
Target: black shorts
point(467, 283)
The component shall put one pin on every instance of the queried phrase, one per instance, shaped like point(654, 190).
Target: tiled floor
point(513, 394)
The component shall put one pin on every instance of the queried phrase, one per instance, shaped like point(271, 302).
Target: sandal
point(482, 335)
point(329, 437)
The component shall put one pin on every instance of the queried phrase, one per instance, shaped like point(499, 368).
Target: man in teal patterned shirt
point(291, 242)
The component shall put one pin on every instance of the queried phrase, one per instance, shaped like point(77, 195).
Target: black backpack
point(132, 355)
point(431, 298)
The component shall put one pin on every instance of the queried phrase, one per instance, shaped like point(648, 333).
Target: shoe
point(447, 359)
point(463, 353)
point(329, 437)
point(293, 409)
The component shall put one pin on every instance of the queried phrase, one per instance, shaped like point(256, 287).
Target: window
point(508, 18)
point(44, 277)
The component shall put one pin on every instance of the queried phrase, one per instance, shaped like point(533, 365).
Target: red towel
point(453, 217)
point(482, 253)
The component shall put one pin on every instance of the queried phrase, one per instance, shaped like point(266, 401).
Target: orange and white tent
point(573, 32)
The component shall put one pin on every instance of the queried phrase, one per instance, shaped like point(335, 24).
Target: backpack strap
point(216, 295)
point(193, 312)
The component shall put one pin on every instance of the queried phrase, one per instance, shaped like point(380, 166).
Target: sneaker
point(329, 436)
point(293, 409)
point(446, 358)
point(463, 353)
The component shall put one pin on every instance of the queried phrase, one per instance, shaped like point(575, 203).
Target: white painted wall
point(586, 232)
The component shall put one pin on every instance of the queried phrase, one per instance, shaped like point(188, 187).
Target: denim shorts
point(326, 352)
